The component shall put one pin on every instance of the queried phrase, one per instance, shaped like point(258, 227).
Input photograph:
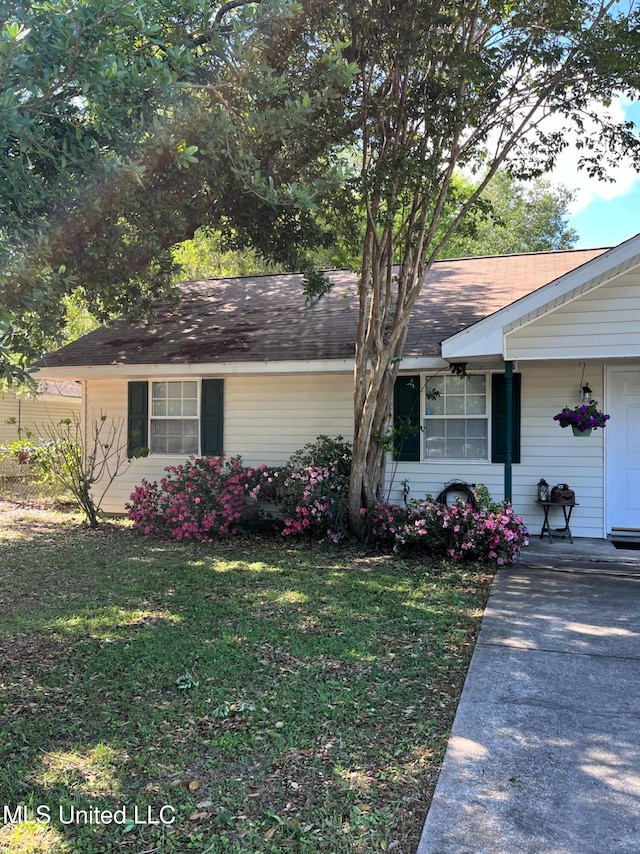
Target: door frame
point(609, 478)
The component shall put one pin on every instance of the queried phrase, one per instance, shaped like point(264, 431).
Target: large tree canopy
point(126, 126)
point(511, 217)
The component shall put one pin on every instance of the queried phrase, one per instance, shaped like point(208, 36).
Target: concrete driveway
point(544, 756)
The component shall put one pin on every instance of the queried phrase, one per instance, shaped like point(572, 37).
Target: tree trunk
point(372, 419)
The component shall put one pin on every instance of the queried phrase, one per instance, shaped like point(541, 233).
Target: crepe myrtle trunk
point(372, 417)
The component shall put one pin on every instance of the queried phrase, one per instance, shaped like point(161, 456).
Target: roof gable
point(488, 336)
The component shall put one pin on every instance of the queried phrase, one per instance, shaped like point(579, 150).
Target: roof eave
point(319, 366)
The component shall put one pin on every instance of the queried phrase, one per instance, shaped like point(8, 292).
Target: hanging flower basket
point(582, 419)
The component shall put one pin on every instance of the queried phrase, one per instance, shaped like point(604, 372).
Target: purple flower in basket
point(587, 416)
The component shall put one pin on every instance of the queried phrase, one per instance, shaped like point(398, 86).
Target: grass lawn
point(251, 696)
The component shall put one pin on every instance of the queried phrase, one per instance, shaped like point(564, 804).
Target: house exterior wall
point(33, 413)
point(547, 451)
point(266, 419)
point(269, 417)
point(602, 323)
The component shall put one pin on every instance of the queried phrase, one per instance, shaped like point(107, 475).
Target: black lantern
point(543, 490)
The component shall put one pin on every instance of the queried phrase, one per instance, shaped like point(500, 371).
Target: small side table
point(567, 510)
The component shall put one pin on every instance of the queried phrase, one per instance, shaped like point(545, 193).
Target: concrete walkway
point(544, 756)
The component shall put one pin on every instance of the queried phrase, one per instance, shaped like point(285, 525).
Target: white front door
point(623, 448)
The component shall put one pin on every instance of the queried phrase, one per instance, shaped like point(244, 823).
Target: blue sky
point(608, 222)
point(603, 213)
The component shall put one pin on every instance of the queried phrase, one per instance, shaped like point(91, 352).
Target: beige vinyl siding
point(33, 413)
point(603, 323)
point(554, 453)
point(266, 418)
point(547, 451)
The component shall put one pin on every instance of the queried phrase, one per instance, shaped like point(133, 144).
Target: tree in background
point(513, 217)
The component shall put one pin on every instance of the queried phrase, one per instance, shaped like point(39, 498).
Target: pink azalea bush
point(203, 499)
point(315, 487)
point(457, 532)
point(386, 522)
point(210, 497)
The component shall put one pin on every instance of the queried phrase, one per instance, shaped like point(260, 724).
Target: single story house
point(243, 366)
point(23, 415)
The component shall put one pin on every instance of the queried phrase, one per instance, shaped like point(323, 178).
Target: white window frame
point(424, 404)
point(195, 418)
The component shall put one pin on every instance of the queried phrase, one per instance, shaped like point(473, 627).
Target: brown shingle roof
point(264, 318)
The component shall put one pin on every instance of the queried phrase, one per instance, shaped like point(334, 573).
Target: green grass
point(320, 687)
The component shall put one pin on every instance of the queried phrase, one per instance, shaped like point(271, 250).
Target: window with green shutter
point(457, 421)
point(176, 417)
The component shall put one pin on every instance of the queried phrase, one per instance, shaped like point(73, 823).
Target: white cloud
point(586, 189)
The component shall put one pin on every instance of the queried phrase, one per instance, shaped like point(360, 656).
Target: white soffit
point(486, 337)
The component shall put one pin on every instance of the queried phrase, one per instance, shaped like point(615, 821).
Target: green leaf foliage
point(126, 127)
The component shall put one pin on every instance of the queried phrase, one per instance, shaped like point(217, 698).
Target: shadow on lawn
point(348, 668)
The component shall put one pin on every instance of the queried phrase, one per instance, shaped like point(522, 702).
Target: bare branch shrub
point(87, 464)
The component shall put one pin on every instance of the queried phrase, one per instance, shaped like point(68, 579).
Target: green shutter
point(212, 418)
point(406, 419)
point(137, 418)
point(499, 418)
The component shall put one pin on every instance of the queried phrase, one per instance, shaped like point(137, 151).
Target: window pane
point(174, 407)
point(475, 449)
point(436, 384)
point(454, 404)
point(189, 407)
point(190, 389)
point(454, 385)
point(434, 407)
point(477, 428)
point(174, 436)
point(434, 427)
point(190, 430)
point(455, 427)
point(475, 404)
point(454, 449)
point(477, 384)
